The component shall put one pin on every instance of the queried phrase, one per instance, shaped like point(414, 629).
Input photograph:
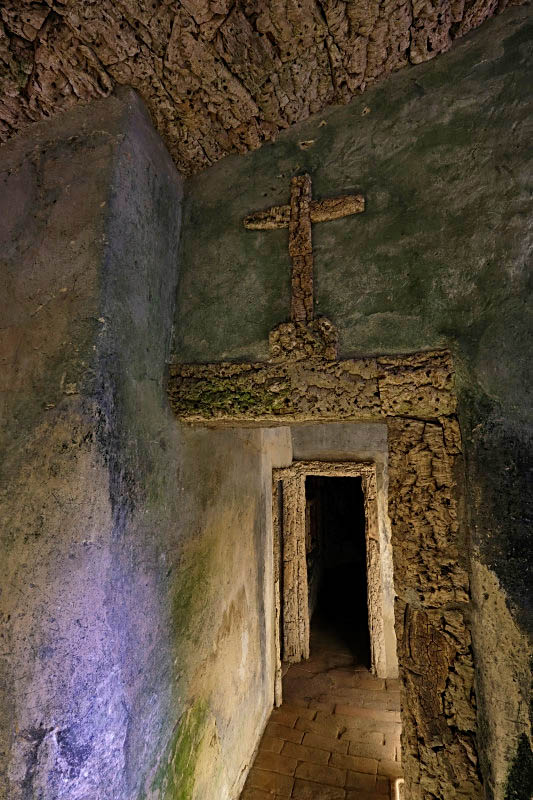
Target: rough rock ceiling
point(219, 76)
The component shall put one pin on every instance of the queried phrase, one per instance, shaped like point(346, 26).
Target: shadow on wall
point(520, 781)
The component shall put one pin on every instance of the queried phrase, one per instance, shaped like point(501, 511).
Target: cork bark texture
point(376, 595)
point(315, 388)
point(218, 76)
point(415, 396)
point(432, 609)
point(277, 511)
point(294, 571)
point(301, 250)
point(320, 211)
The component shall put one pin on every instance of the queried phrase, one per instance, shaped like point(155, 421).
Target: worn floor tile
point(335, 737)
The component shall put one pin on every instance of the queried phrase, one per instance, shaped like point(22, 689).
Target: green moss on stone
point(175, 777)
point(231, 395)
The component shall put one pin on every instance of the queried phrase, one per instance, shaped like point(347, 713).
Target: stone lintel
point(420, 385)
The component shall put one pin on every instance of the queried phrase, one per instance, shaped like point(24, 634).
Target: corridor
point(336, 735)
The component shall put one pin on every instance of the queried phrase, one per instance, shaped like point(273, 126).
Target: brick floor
point(336, 736)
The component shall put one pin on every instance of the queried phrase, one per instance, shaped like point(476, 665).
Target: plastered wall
point(136, 655)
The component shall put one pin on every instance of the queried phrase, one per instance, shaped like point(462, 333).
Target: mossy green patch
point(233, 395)
point(175, 777)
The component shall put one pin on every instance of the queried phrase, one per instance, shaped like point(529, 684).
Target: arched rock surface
point(218, 76)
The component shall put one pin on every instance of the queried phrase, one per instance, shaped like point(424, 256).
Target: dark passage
point(336, 564)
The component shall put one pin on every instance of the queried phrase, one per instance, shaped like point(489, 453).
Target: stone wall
point(132, 570)
point(439, 258)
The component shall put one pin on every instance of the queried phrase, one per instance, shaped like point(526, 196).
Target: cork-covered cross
point(298, 217)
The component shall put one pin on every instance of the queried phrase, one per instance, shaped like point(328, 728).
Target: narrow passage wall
point(132, 570)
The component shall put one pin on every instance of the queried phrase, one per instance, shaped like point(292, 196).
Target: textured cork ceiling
point(219, 76)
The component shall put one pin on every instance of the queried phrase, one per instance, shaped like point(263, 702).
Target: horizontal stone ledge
point(420, 385)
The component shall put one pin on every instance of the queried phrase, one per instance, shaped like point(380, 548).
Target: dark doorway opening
point(336, 565)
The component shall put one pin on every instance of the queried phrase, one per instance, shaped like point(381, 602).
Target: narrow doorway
point(315, 503)
point(337, 566)
point(335, 732)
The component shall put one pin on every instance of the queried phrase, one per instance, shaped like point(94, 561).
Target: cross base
point(299, 340)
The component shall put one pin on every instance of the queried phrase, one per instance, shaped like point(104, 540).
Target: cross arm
point(274, 217)
point(337, 207)
point(321, 210)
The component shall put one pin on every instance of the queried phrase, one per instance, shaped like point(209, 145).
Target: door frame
point(290, 564)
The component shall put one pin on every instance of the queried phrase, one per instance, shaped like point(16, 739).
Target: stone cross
point(297, 217)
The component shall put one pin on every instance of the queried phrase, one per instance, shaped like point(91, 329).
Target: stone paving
point(336, 735)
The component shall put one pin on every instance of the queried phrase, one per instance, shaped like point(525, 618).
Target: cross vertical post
point(301, 250)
